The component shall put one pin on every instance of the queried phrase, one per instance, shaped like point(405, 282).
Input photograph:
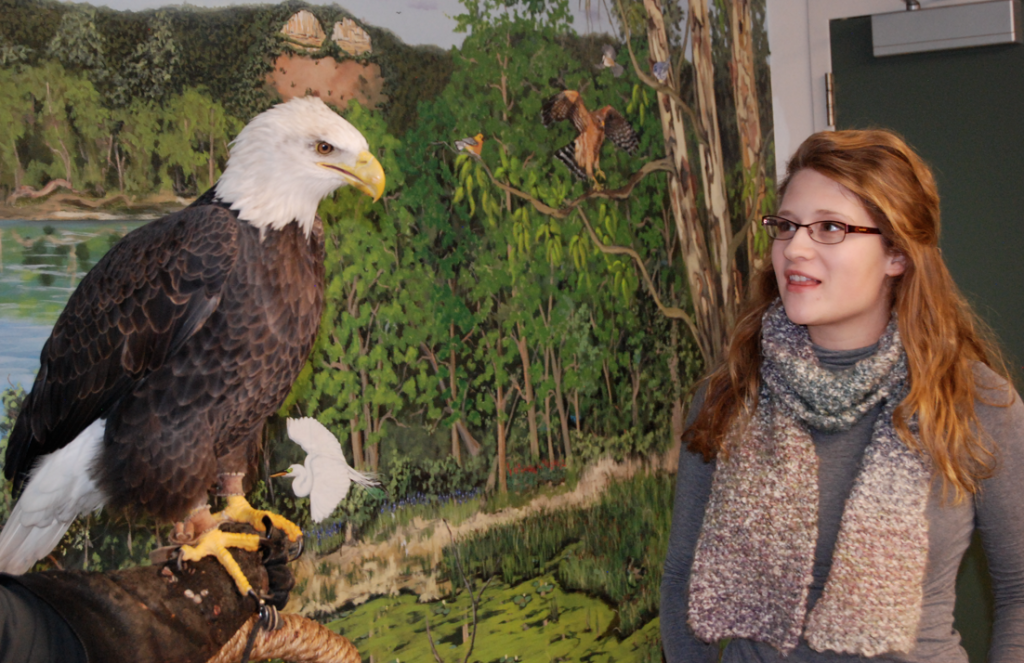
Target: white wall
point(798, 38)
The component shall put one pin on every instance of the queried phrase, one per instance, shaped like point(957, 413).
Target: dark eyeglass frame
point(770, 223)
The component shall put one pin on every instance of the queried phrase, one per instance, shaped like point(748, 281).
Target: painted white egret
point(325, 476)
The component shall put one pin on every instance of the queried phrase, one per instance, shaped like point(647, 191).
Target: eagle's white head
point(289, 158)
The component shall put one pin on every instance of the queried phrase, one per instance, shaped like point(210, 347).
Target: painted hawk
point(583, 155)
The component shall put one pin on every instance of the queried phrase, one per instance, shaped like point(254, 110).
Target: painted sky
point(414, 21)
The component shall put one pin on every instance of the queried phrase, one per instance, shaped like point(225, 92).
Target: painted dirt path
point(395, 564)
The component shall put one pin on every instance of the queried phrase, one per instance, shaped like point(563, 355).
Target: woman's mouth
point(796, 281)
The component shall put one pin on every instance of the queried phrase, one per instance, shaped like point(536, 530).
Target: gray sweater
point(997, 511)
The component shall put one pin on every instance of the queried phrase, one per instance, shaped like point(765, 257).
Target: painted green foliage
point(196, 130)
point(456, 308)
point(454, 304)
point(364, 369)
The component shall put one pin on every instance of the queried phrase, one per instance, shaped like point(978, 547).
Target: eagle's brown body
point(185, 337)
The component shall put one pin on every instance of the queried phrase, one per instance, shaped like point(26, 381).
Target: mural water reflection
point(41, 262)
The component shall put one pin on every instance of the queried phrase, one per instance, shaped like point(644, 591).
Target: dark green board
point(961, 110)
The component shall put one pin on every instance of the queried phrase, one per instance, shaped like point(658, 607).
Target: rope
point(298, 640)
point(268, 620)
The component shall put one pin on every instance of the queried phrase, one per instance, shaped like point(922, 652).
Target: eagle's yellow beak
point(367, 175)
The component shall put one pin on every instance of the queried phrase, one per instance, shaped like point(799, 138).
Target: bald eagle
point(156, 381)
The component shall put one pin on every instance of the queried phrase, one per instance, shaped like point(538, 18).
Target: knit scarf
point(753, 563)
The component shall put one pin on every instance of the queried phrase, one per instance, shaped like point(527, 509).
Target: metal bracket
point(830, 100)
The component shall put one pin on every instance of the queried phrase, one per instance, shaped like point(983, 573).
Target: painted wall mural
point(511, 333)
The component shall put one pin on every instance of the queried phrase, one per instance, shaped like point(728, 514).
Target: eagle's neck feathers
point(272, 208)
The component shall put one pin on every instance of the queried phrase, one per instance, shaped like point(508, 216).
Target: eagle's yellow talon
point(216, 543)
point(240, 511)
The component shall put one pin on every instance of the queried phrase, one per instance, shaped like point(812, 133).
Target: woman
point(859, 430)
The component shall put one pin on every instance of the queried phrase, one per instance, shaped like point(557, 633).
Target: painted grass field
point(532, 621)
point(574, 584)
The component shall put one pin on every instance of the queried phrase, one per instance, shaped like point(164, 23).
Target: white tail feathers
point(60, 489)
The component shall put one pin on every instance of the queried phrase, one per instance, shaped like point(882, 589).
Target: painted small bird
point(608, 61)
point(325, 476)
point(472, 145)
point(583, 155)
point(660, 71)
point(155, 384)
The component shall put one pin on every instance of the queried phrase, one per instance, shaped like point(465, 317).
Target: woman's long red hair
point(942, 336)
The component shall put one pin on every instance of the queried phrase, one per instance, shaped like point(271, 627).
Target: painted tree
point(441, 242)
point(708, 238)
point(495, 90)
point(70, 122)
point(136, 130)
point(150, 72)
point(364, 369)
point(17, 107)
point(535, 218)
point(194, 140)
point(77, 44)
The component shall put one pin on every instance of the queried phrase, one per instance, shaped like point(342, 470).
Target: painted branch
point(673, 312)
point(563, 212)
point(26, 191)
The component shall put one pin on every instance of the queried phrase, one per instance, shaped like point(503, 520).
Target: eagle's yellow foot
point(215, 542)
point(240, 511)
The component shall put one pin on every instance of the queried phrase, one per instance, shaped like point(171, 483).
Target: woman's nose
point(800, 245)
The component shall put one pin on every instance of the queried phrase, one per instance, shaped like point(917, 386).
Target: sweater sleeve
point(1000, 520)
point(693, 487)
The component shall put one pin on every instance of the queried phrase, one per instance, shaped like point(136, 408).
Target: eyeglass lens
point(823, 232)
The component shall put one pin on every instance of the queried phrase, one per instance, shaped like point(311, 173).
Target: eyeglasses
point(822, 232)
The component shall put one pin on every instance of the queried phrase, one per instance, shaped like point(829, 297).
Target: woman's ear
point(897, 264)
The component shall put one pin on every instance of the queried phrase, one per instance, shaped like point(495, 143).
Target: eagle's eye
point(324, 148)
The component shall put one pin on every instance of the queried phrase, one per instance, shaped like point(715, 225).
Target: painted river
point(41, 262)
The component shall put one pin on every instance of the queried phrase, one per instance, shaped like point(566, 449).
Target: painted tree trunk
point(711, 160)
point(528, 395)
point(677, 384)
point(499, 406)
point(355, 431)
point(634, 375)
point(713, 322)
point(453, 387)
point(500, 401)
point(547, 405)
point(356, 437)
point(556, 371)
point(370, 448)
point(576, 408)
point(748, 119)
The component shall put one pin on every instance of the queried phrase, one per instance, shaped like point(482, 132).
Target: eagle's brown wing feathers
point(135, 308)
point(202, 412)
